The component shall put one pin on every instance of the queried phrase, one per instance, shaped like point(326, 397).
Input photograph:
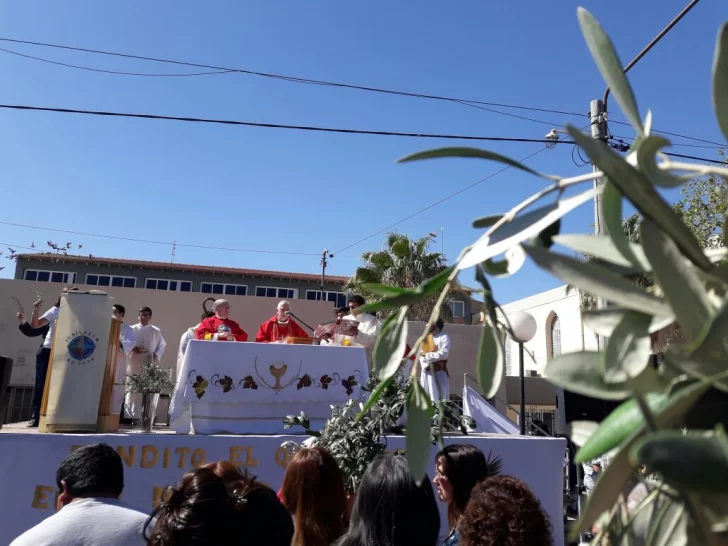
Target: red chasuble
point(215, 325)
point(272, 330)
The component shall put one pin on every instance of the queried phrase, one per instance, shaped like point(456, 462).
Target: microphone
point(289, 313)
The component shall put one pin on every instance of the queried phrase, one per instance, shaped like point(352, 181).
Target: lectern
point(82, 370)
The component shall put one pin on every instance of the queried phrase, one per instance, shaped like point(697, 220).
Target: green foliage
point(403, 263)
point(151, 379)
point(355, 434)
point(654, 268)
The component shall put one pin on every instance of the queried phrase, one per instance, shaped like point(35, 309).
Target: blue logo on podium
point(81, 348)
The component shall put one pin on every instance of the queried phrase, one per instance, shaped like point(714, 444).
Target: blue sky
point(296, 191)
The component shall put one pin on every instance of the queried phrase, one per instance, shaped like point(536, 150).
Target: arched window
point(508, 349)
point(555, 336)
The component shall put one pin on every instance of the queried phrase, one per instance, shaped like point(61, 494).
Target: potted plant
point(150, 382)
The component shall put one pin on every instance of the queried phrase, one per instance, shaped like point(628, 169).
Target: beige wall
point(174, 313)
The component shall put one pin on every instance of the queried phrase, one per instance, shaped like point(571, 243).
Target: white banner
point(237, 388)
point(28, 464)
point(80, 345)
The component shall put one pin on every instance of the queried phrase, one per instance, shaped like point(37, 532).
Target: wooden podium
point(82, 367)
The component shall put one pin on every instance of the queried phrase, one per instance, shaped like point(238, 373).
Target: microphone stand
point(313, 330)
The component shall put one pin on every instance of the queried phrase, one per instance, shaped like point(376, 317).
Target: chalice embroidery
point(278, 373)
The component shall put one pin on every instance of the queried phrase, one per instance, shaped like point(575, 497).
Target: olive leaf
point(628, 349)
point(391, 345)
point(581, 373)
point(603, 321)
point(490, 360)
point(419, 418)
point(720, 79)
point(604, 248)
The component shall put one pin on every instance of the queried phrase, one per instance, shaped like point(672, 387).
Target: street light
point(523, 327)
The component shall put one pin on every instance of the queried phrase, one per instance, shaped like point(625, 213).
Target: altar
point(245, 388)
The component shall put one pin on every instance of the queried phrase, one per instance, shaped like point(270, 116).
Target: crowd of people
point(143, 343)
point(219, 504)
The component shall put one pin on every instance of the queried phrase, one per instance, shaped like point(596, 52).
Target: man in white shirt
point(369, 327)
point(90, 481)
point(149, 348)
point(435, 378)
point(127, 341)
point(43, 356)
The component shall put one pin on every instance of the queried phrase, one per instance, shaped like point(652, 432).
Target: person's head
point(65, 290)
point(119, 311)
point(356, 302)
point(313, 492)
point(503, 511)
point(438, 326)
point(458, 468)
point(341, 312)
point(221, 308)
point(145, 316)
point(91, 471)
point(222, 506)
point(391, 509)
point(207, 314)
point(283, 308)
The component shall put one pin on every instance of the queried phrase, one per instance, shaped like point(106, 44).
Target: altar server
point(127, 341)
point(435, 378)
point(220, 327)
point(369, 327)
point(149, 347)
point(280, 326)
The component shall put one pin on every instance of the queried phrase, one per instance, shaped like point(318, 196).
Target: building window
point(227, 289)
point(276, 292)
point(457, 308)
point(18, 404)
point(337, 298)
point(111, 280)
point(555, 336)
point(168, 284)
point(49, 276)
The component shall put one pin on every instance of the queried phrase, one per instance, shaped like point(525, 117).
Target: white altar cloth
point(238, 388)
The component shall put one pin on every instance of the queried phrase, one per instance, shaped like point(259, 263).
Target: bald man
point(280, 326)
point(220, 327)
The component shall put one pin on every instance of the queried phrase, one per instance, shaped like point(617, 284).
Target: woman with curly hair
point(504, 512)
point(458, 468)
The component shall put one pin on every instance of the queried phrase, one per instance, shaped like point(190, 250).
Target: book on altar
point(337, 332)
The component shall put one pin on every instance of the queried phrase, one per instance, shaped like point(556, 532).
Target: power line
point(166, 243)
point(275, 125)
point(436, 203)
point(629, 140)
point(293, 79)
point(114, 72)
point(716, 161)
point(718, 144)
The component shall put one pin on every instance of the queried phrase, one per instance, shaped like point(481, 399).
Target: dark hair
point(207, 314)
point(344, 310)
point(313, 492)
point(145, 310)
point(120, 309)
point(357, 299)
point(440, 324)
point(64, 291)
point(503, 511)
point(463, 465)
point(91, 471)
point(219, 504)
point(391, 509)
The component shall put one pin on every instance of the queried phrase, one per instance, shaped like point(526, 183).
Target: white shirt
point(127, 337)
point(51, 316)
point(442, 344)
point(149, 337)
point(369, 329)
point(88, 522)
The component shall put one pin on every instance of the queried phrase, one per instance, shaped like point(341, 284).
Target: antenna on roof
point(173, 251)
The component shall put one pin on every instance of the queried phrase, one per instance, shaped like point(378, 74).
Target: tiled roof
point(47, 257)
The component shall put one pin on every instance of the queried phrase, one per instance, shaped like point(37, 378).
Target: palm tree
point(402, 262)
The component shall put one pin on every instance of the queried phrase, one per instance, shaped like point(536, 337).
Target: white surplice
point(183, 422)
point(369, 329)
point(150, 339)
point(127, 341)
point(436, 384)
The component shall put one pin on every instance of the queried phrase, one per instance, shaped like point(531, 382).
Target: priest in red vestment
point(220, 327)
point(280, 326)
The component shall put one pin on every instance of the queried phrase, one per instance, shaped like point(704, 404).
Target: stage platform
point(28, 462)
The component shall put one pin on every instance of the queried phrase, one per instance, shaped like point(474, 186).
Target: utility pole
point(324, 262)
point(598, 119)
point(173, 251)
